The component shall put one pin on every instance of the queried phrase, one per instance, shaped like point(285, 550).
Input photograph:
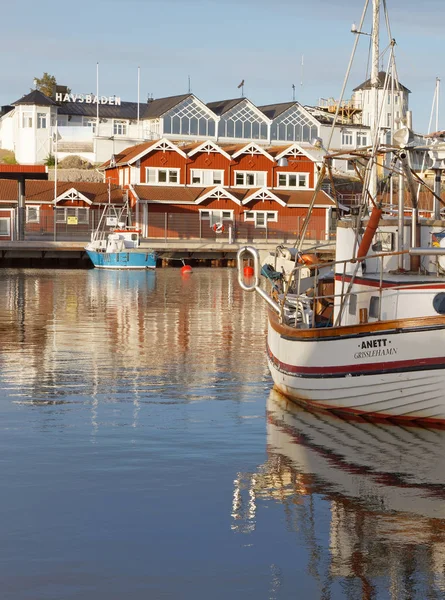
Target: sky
point(217, 43)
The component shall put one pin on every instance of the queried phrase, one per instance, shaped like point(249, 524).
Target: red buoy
point(186, 269)
point(248, 271)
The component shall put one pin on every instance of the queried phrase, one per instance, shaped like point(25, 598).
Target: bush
point(50, 160)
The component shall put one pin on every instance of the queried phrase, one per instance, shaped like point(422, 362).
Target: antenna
point(190, 85)
point(293, 92)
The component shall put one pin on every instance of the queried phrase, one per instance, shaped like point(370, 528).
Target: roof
point(36, 98)
point(274, 110)
point(219, 107)
point(126, 110)
point(304, 198)
point(43, 191)
point(156, 108)
point(124, 156)
point(23, 169)
point(366, 85)
point(183, 193)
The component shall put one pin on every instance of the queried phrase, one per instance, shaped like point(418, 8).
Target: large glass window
point(92, 123)
point(81, 214)
point(189, 118)
point(250, 178)
point(242, 122)
point(293, 126)
point(215, 216)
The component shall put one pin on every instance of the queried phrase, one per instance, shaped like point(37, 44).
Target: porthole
point(439, 303)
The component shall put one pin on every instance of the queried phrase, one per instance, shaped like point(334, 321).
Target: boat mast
point(374, 120)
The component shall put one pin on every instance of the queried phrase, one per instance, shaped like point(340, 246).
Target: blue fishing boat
point(116, 245)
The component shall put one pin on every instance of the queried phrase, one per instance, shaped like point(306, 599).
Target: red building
point(244, 191)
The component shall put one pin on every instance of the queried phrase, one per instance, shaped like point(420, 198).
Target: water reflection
point(385, 489)
point(111, 336)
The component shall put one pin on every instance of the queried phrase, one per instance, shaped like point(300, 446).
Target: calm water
point(144, 456)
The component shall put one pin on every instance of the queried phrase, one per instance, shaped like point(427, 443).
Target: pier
point(71, 254)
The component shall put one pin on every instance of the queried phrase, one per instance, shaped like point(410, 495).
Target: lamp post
point(55, 183)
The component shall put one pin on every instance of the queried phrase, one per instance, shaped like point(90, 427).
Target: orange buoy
point(186, 269)
point(308, 259)
point(248, 271)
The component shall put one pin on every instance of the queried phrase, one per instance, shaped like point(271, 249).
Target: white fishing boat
point(369, 336)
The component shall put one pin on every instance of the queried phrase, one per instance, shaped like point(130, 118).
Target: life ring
point(218, 228)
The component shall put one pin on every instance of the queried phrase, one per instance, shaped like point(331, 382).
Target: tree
point(46, 84)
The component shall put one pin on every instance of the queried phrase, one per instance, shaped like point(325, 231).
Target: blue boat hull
point(123, 260)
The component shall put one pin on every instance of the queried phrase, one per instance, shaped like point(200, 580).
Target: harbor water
point(144, 455)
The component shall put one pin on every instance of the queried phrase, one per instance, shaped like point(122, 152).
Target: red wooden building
point(70, 210)
point(243, 191)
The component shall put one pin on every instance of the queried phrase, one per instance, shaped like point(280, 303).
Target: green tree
point(46, 84)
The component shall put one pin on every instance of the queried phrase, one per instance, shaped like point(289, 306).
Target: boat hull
point(394, 373)
point(123, 260)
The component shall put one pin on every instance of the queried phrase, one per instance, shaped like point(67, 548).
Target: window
point(242, 121)
point(347, 138)
point(189, 118)
point(374, 307)
point(353, 304)
point(41, 121)
point(90, 123)
point(206, 177)
point(162, 176)
point(396, 99)
point(119, 127)
point(293, 180)
point(216, 216)
point(362, 138)
point(33, 214)
point(388, 120)
point(261, 217)
point(250, 179)
point(294, 125)
point(27, 119)
point(81, 214)
point(5, 227)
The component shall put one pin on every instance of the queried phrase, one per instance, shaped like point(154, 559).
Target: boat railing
point(298, 297)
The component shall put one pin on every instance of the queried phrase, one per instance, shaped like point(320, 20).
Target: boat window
point(353, 304)
point(374, 307)
point(439, 303)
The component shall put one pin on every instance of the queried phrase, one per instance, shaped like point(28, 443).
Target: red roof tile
point(43, 191)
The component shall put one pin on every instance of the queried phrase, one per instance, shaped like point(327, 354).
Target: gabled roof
point(222, 106)
point(272, 111)
point(263, 194)
point(255, 149)
point(36, 98)
point(193, 149)
point(366, 85)
point(43, 191)
point(168, 193)
point(156, 108)
point(133, 153)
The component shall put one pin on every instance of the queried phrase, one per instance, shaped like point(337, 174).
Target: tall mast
point(374, 121)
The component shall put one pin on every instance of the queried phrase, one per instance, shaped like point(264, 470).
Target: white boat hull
point(393, 374)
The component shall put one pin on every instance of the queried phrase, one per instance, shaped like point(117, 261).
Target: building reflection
point(111, 335)
point(384, 486)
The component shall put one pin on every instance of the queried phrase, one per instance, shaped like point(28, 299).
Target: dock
point(71, 254)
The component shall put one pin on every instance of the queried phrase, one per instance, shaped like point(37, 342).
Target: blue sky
point(217, 43)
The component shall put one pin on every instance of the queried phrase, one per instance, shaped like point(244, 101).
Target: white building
point(96, 129)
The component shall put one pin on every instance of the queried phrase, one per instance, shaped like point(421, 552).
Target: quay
point(71, 254)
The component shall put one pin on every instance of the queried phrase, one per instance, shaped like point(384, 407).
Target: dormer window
point(250, 178)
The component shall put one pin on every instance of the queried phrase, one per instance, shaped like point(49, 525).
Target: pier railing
point(172, 226)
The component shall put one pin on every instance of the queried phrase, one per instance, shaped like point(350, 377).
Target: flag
point(241, 84)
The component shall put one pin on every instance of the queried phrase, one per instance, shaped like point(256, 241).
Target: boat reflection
point(385, 488)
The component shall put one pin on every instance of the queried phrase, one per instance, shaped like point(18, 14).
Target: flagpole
point(139, 95)
point(97, 99)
